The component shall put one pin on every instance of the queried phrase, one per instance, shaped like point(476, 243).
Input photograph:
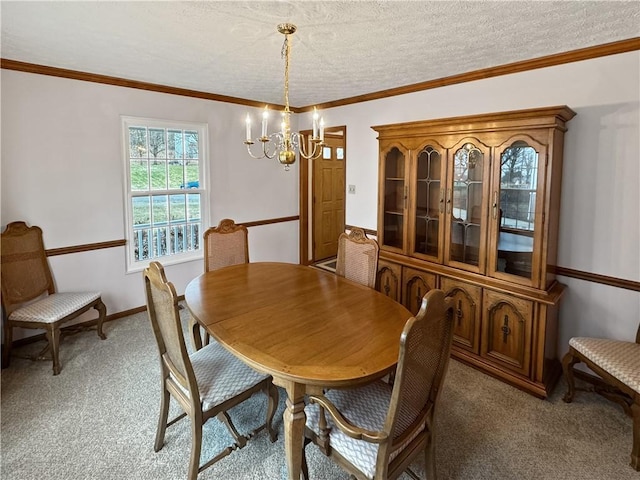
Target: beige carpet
point(97, 420)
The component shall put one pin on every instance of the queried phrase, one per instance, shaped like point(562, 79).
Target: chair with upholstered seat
point(357, 257)
point(29, 296)
point(376, 431)
point(206, 383)
point(617, 363)
point(224, 245)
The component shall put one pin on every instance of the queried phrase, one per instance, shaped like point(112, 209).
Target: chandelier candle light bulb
point(286, 144)
point(315, 122)
point(265, 122)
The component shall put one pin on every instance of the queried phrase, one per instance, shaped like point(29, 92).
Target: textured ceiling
point(342, 49)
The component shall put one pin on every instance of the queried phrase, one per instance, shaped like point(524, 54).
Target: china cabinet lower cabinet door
point(506, 332)
point(466, 314)
point(415, 284)
point(389, 280)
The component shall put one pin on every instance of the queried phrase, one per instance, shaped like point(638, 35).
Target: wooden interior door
point(328, 197)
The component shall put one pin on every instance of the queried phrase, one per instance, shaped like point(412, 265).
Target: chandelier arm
point(265, 151)
point(297, 139)
point(315, 153)
point(303, 149)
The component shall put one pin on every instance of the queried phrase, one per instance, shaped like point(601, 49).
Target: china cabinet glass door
point(429, 203)
point(465, 205)
point(516, 210)
point(395, 198)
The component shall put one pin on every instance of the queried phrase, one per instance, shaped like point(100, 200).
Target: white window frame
point(133, 266)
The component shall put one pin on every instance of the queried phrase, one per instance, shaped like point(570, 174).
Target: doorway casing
point(305, 197)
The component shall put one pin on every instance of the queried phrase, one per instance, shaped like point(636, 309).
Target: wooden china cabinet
point(471, 205)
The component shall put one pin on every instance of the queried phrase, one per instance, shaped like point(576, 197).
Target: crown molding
point(587, 53)
point(9, 64)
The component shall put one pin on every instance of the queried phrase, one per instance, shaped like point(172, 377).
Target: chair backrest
point(25, 270)
point(425, 346)
point(162, 307)
point(225, 245)
point(357, 257)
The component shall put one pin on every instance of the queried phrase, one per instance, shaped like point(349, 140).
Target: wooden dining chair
point(206, 383)
point(617, 364)
point(224, 245)
point(29, 296)
point(376, 431)
point(357, 257)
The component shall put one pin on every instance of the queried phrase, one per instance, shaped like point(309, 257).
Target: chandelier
point(285, 143)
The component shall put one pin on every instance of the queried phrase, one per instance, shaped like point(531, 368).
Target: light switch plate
point(352, 189)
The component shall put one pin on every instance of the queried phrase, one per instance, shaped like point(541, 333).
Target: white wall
point(600, 214)
point(61, 142)
point(62, 170)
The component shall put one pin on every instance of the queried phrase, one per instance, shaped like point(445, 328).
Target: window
point(166, 195)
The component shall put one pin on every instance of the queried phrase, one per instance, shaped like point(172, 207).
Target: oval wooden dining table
point(308, 328)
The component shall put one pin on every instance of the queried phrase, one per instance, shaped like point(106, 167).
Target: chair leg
point(196, 438)
point(102, 313)
point(8, 342)
point(635, 450)
point(224, 417)
point(162, 421)
point(430, 457)
point(273, 397)
point(53, 337)
point(194, 328)
point(568, 361)
point(305, 467)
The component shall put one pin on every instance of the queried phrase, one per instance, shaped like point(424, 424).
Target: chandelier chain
point(286, 53)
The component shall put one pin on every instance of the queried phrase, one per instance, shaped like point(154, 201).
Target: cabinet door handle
point(448, 200)
point(406, 195)
point(441, 203)
point(495, 204)
point(506, 331)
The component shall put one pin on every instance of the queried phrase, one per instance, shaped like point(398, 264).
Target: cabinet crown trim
point(544, 117)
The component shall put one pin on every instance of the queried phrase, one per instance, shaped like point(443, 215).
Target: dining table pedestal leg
point(294, 422)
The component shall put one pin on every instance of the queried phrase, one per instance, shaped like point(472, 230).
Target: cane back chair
point(29, 296)
point(617, 363)
point(224, 245)
point(206, 383)
point(357, 257)
point(374, 432)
